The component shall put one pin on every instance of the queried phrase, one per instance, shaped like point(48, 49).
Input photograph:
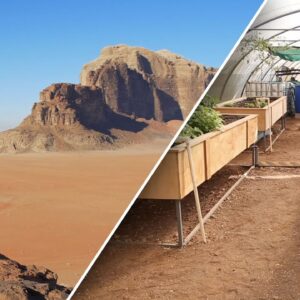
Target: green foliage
point(261, 103)
point(250, 105)
point(264, 49)
point(210, 101)
point(205, 119)
point(191, 132)
point(259, 44)
point(257, 103)
point(256, 43)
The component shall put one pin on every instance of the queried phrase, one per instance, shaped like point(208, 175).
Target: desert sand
point(56, 209)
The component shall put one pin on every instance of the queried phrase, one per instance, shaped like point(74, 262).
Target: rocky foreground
point(122, 96)
point(19, 282)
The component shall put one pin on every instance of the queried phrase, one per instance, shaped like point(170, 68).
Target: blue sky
point(48, 41)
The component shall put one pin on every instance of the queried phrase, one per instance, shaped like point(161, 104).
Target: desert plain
point(56, 209)
point(72, 166)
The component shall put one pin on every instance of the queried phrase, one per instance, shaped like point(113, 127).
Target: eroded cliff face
point(65, 105)
point(147, 84)
point(22, 282)
point(121, 95)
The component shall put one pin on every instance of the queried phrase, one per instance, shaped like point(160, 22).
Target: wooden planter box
point(267, 116)
point(211, 151)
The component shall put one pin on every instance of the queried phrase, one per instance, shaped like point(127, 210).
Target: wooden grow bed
point(267, 116)
point(212, 151)
point(189, 164)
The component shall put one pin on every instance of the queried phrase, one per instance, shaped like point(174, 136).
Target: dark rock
point(20, 282)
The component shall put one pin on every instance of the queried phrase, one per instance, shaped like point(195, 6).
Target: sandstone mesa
point(121, 96)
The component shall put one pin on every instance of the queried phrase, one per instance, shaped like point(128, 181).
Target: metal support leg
point(255, 158)
point(271, 140)
point(179, 223)
point(265, 141)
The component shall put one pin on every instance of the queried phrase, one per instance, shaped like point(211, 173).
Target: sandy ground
point(287, 147)
point(56, 209)
point(285, 150)
point(252, 250)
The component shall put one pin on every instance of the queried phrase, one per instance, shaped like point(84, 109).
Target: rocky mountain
point(19, 282)
point(120, 96)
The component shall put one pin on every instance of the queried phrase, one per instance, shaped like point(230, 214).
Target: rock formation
point(69, 104)
point(121, 94)
point(136, 81)
point(19, 282)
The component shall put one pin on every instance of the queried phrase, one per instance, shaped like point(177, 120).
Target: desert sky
point(56, 209)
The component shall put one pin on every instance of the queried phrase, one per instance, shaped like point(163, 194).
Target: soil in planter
point(250, 103)
point(227, 119)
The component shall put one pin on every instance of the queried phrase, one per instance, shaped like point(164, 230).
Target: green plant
point(190, 132)
point(205, 119)
point(264, 49)
point(261, 103)
point(257, 103)
point(262, 46)
point(210, 101)
point(250, 105)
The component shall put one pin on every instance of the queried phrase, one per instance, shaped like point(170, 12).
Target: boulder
point(20, 282)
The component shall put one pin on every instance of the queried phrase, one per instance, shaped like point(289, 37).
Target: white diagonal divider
point(164, 154)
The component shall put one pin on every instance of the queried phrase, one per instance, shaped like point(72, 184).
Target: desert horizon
point(58, 208)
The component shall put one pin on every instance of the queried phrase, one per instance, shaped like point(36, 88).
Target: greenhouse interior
point(276, 27)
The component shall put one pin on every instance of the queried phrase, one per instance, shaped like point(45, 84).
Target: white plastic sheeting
point(279, 23)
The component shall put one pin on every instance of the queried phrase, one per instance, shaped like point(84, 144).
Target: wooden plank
point(164, 184)
point(261, 112)
point(247, 133)
point(198, 153)
point(226, 146)
point(252, 131)
point(276, 112)
point(208, 173)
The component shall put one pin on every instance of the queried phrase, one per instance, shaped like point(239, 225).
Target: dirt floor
point(286, 149)
point(56, 209)
point(252, 250)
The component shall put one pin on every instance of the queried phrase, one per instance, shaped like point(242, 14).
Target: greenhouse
point(277, 26)
point(247, 122)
